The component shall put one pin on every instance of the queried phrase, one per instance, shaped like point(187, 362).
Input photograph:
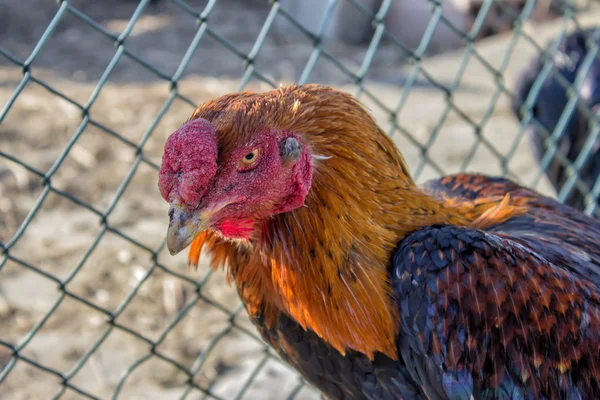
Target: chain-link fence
point(91, 305)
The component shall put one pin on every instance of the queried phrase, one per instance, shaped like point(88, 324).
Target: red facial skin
point(276, 182)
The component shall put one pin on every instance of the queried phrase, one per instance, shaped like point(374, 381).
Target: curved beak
point(184, 226)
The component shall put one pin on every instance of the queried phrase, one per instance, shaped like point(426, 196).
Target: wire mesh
point(46, 184)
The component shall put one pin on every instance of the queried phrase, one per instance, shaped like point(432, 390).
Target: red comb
point(189, 162)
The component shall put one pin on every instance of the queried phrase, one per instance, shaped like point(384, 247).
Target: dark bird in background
point(548, 108)
point(469, 287)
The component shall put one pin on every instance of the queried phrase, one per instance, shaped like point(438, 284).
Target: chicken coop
point(91, 303)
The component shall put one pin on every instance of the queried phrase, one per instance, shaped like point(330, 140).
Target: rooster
point(548, 108)
point(372, 287)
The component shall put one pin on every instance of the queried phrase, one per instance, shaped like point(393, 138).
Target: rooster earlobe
point(289, 150)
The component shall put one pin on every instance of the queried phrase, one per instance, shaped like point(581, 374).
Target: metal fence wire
point(25, 361)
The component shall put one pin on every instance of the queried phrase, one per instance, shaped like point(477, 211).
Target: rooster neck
point(327, 263)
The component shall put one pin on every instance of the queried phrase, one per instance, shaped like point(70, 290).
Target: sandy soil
point(72, 243)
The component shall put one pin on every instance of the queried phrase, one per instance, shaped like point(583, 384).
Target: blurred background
point(92, 305)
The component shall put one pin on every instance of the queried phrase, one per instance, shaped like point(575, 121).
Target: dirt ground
point(71, 243)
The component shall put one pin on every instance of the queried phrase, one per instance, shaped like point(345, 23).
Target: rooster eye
point(251, 157)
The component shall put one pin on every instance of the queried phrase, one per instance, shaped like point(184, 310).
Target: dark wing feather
point(562, 233)
point(483, 315)
point(510, 312)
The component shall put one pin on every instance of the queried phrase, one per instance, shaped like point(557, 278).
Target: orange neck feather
point(325, 265)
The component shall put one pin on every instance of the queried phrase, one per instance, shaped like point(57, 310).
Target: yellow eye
point(251, 157)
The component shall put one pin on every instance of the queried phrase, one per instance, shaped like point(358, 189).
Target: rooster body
point(447, 256)
point(374, 288)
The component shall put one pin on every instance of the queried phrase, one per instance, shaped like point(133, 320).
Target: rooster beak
point(184, 226)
